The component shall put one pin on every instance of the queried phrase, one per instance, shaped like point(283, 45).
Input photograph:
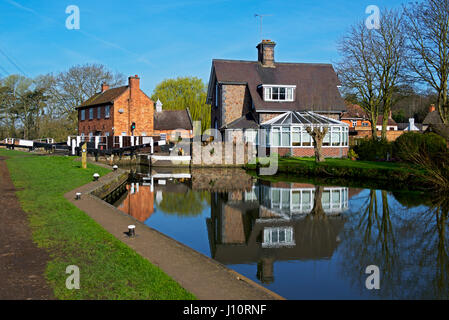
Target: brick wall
point(104, 125)
point(136, 107)
point(236, 102)
point(328, 152)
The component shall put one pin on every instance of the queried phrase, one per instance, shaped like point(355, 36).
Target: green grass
point(385, 174)
point(347, 163)
point(108, 268)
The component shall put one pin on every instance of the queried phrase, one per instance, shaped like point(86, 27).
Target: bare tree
point(356, 70)
point(71, 88)
point(372, 66)
point(427, 27)
point(389, 52)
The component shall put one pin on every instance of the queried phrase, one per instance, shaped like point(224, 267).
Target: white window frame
point(289, 92)
point(107, 112)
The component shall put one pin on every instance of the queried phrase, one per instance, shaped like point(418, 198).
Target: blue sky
point(167, 39)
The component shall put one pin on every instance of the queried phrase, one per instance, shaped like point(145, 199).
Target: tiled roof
point(173, 119)
point(107, 96)
point(316, 84)
point(432, 118)
point(245, 122)
point(354, 111)
point(391, 122)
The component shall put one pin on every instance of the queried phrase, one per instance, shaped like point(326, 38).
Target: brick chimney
point(134, 82)
point(104, 87)
point(432, 108)
point(265, 51)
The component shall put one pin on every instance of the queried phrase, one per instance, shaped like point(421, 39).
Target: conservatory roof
point(292, 118)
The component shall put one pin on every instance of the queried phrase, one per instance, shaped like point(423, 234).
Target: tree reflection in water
point(188, 204)
point(408, 244)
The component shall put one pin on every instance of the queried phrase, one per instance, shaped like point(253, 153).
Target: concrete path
point(197, 273)
point(22, 263)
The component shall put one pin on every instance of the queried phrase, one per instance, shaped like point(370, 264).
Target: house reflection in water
point(139, 201)
point(275, 222)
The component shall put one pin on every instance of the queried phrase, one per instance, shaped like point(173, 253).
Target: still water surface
point(301, 240)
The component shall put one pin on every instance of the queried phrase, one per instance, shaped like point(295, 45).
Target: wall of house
point(103, 124)
point(361, 124)
point(236, 102)
point(263, 117)
point(187, 134)
point(391, 135)
point(138, 109)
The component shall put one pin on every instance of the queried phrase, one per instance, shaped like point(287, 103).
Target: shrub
point(352, 154)
point(411, 143)
point(372, 150)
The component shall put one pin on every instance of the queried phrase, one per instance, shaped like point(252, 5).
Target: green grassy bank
point(394, 175)
point(108, 268)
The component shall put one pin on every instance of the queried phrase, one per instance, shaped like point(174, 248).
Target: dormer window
point(278, 92)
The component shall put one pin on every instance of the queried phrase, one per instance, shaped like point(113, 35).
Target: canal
point(300, 240)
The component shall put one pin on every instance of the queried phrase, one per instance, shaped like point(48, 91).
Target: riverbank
point(109, 269)
point(380, 174)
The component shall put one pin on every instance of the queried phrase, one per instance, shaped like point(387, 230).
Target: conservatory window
point(307, 200)
point(336, 199)
point(296, 136)
point(286, 137)
point(326, 199)
point(276, 140)
point(306, 139)
point(336, 136)
point(275, 198)
point(327, 139)
point(296, 200)
point(286, 199)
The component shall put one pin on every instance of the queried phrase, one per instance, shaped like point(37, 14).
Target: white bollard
point(132, 230)
point(78, 196)
point(115, 167)
point(96, 176)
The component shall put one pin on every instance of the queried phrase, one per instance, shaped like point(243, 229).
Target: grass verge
point(108, 268)
point(394, 175)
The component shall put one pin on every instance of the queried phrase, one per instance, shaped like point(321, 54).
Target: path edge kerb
point(93, 186)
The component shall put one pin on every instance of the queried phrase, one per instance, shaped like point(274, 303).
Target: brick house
point(112, 112)
point(246, 94)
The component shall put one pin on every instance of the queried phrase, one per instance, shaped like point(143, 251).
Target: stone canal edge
point(206, 278)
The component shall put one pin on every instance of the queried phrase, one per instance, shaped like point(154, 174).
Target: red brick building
point(112, 112)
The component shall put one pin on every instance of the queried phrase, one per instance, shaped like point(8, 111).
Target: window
point(106, 134)
point(278, 236)
point(83, 114)
point(91, 113)
point(107, 112)
point(365, 124)
point(216, 94)
point(336, 137)
point(354, 123)
point(99, 113)
point(296, 136)
point(278, 93)
point(285, 136)
point(276, 139)
point(306, 139)
point(327, 139)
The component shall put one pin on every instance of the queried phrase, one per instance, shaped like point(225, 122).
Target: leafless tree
point(427, 29)
point(372, 65)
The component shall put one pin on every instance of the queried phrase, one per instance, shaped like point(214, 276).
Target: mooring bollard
point(78, 196)
point(96, 176)
point(132, 230)
point(115, 167)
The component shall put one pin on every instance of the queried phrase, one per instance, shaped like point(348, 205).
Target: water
point(300, 240)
